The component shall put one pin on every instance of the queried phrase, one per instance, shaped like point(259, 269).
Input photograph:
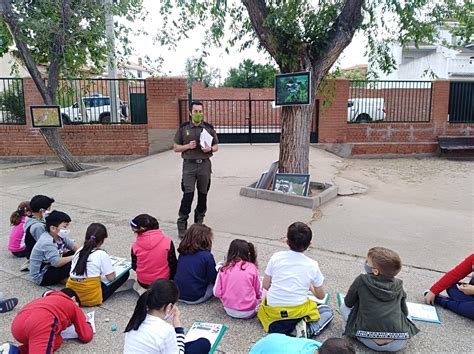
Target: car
point(365, 110)
point(97, 110)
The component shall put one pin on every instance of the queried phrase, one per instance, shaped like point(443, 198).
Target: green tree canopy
point(251, 75)
point(196, 69)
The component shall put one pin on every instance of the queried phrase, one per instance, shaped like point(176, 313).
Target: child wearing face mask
point(34, 227)
point(50, 260)
point(375, 306)
point(155, 326)
point(16, 242)
point(91, 266)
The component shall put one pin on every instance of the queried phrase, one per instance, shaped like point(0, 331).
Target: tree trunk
point(51, 135)
point(294, 139)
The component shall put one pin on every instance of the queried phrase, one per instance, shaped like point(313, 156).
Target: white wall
point(6, 67)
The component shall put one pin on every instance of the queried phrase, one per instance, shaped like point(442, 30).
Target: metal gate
point(244, 120)
point(461, 102)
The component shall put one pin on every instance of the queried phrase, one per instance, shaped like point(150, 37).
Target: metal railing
point(373, 101)
point(12, 102)
point(461, 102)
point(91, 101)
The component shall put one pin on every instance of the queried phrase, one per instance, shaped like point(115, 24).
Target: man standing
point(196, 165)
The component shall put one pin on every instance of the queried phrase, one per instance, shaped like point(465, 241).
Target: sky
point(173, 64)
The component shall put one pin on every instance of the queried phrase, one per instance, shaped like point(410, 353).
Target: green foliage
point(251, 75)
point(84, 34)
point(196, 69)
point(12, 103)
point(305, 28)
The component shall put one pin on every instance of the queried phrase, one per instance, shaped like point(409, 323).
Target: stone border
point(330, 192)
point(62, 173)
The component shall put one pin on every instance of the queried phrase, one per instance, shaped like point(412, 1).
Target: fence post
point(250, 119)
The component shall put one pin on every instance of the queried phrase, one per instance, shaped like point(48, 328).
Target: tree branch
point(258, 12)
point(10, 20)
point(342, 32)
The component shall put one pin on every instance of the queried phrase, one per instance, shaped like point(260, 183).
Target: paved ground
point(421, 207)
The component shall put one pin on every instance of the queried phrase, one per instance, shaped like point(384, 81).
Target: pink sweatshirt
point(16, 235)
point(239, 289)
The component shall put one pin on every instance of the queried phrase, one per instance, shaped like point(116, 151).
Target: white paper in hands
point(205, 139)
point(70, 332)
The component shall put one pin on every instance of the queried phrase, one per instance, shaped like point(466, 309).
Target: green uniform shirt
point(188, 132)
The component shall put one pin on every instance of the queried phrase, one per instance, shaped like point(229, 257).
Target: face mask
point(368, 269)
point(46, 213)
point(197, 117)
point(64, 233)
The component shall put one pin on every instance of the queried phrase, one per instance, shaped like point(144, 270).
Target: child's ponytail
point(95, 235)
point(161, 293)
point(16, 216)
point(240, 250)
point(139, 313)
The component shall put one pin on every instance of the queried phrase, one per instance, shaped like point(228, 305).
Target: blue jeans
point(458, 302)
point(325, 316)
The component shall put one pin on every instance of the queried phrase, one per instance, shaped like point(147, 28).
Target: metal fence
point(90, 101)
point(242, 120)
point(12, 101)
point(373, 101)
point(461, 102)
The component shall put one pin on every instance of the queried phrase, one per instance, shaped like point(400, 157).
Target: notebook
point(70, 332)
point(416, 312)
point(212, 331)
point(423, 312)
point(121, 266)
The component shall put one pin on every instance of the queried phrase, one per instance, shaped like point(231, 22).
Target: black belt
point(196, 160)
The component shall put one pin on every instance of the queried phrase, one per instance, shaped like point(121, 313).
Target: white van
point(365, 110)
point(97, 109)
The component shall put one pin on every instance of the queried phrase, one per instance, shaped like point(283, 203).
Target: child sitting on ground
point(153, 253)
point(16, 243)
point(50, 260)
point(279, 343)
point(237, 283)
point(90, 266)
point(375, 306)
point(289, 276)
point(460, 297)
point(38, 325)
point(40, 206)
point(148, 331)
point(196, 271)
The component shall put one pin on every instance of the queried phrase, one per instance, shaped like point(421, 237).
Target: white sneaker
point(8, 348)
point(25, 266)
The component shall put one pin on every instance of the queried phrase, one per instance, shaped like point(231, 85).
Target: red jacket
point(65, 310)
point(455, 275)
point(153, 257)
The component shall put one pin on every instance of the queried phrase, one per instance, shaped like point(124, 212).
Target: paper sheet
point(70, 332)
point(206, 139)
point(422, 312)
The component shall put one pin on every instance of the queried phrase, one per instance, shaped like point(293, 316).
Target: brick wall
point(93, 140)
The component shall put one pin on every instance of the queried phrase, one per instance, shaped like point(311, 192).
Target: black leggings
point(108, 290)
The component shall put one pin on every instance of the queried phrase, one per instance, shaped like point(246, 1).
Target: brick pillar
point(32, 97)
point(333, 119)
point(163, 94)
point(439, 107)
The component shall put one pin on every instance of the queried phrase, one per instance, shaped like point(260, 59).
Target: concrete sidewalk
point(428, 220)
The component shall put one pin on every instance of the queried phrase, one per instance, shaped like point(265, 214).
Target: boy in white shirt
point(289, 276)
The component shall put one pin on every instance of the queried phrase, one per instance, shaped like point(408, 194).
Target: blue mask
point(368, 270)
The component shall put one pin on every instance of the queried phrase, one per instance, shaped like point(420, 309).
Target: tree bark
point(50, 135)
